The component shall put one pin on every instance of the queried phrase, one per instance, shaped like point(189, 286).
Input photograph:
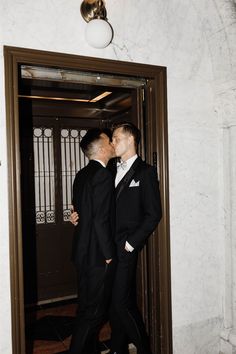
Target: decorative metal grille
point(44, 175)
point(72, 160)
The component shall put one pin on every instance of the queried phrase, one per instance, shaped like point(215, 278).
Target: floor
point(48, 329)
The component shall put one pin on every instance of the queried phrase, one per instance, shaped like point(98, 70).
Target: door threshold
point(57, 299)
point(62, 299)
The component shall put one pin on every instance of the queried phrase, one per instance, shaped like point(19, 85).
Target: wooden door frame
point(159, 258)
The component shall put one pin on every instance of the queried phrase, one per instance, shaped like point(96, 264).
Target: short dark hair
point(92, 136)
point(108, 132)
point(129, 128)
point(87, 142)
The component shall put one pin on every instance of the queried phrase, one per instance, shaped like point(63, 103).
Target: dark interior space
point(49, 108)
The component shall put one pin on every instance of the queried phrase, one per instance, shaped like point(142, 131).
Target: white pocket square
point(134, 184)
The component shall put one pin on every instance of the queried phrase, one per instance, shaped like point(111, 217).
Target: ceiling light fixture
point(100, 97)
point(99, 32)
point(92, 100)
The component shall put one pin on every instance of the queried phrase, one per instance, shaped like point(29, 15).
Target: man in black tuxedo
point(138, 212)
point(93, 242)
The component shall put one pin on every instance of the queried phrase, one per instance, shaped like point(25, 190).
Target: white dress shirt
point(121, 172)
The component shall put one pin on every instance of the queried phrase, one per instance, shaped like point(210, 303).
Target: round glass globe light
point(98, 33)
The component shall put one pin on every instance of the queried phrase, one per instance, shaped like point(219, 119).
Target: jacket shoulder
point(145, 166)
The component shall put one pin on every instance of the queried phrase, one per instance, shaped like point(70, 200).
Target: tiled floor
point(59, 345)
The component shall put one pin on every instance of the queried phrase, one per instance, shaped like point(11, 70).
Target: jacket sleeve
point(151, 208)
point(75, 193)
point(102, 204)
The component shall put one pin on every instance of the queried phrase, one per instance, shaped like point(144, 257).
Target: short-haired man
point(138, 211)
point(93, 243)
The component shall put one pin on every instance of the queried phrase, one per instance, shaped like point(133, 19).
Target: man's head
point(125, 139)
point(96, 144)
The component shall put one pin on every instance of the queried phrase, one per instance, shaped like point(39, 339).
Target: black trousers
point(125, 318)
point(94, 295)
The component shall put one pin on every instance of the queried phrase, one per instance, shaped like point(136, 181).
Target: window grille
point(72, 160)
point(44, 175)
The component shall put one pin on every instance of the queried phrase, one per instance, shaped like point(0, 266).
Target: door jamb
point(14, 56)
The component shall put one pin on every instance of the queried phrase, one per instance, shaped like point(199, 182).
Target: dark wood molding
point(157, 257)
point(15, 241)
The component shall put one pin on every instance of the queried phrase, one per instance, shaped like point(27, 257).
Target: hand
point(108, 261)
point(74, 217)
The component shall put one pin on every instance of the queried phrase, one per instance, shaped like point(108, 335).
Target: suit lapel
point(127, 177)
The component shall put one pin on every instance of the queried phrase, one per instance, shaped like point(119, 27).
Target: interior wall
point(194, 40)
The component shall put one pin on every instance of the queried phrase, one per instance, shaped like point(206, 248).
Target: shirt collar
point(131, 160)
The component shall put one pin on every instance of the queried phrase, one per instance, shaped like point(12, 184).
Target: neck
point(128, 155)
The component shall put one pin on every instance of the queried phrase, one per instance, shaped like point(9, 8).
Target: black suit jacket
point(138, 205)
point(93, 199)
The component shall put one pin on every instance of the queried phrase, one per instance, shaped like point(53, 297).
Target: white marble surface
point(199, 338)
point(196, 41)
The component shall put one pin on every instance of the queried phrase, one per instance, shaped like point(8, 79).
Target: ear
point(101, 149)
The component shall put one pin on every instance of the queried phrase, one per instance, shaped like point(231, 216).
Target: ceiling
point(79, 93)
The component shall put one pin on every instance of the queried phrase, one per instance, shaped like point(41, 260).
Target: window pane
point(72, 160)
point(44, 175)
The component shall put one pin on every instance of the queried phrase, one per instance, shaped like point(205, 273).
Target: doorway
point(145, 105)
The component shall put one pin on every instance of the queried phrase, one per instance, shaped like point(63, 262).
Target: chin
point(117, 154)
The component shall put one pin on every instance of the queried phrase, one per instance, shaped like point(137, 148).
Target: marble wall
point(195, 40)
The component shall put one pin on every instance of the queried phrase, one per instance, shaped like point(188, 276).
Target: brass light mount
point(98, 32)
point(92, 9)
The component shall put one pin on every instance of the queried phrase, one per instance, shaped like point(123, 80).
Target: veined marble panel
point(198, 337)
point(195, 40)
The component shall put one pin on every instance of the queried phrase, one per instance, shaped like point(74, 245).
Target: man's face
point(107, 146)
point(121, 142)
